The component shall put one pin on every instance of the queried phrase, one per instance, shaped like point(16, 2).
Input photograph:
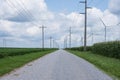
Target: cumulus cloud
point(33, 30)
point(22, 25)
point(24, 10)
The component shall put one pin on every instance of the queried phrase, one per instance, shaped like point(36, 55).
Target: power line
point(12, 5)
point(26, 11)
point(21, 3)
point(23, 8)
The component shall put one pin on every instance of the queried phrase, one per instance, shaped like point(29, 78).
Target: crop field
point(108, 49)
point(4, 52)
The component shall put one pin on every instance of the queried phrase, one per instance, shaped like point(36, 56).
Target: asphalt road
point(59, 65)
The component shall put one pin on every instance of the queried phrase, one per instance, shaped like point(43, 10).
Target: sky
point(20, 22)
point(69, 6)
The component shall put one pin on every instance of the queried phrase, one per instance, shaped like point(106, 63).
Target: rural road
point(59, 65)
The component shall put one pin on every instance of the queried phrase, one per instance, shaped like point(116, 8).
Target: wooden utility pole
point(85, 29)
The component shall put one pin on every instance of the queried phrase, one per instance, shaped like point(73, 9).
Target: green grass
point(10, 63)
point(109, 65)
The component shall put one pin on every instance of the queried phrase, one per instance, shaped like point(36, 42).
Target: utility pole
point(50, 42)
point(42, 36)
point(85, 34)
point(85, 29)
point(70, 38)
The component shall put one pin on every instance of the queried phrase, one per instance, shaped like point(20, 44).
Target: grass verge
point(109, 65)
point(10, 63)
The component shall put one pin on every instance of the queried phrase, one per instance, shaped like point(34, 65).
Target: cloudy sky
point(20, 21)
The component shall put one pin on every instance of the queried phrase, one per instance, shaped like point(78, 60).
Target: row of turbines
point(67, 39)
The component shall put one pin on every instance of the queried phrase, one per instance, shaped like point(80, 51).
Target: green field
point(9, 63)
point(5, 52)
point(109, 65)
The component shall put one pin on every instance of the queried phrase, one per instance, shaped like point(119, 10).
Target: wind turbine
point(105, 28)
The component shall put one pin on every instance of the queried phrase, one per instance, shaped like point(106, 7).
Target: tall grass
point(109, 49)
point(89, 48)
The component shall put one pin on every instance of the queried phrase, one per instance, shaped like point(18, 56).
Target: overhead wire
point(28, 9)
point(13, 6)
point(27, 13)
point(24, 9)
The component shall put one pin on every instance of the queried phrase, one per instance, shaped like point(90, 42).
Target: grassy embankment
point(109, 65)
point(9, 63)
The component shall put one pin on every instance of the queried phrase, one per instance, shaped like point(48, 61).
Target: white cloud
point(109, 18)
point(33, 31)
point(6, 26)
point(57, 24)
